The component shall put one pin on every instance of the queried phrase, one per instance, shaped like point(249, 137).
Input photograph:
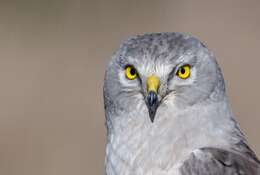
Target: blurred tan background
point(53, 56)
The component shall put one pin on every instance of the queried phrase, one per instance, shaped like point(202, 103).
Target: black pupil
point(132, 71)
point(182, 70)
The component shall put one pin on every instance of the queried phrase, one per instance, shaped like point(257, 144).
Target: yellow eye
point(184, 72)
point(130, 72)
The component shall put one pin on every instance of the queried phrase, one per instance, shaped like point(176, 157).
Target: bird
point(167, 111)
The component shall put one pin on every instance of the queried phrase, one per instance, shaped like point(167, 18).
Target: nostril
point(152, 98)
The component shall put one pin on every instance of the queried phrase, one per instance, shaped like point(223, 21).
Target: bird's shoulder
point(217, 161)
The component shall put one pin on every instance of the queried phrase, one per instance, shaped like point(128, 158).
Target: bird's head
point(152, 70)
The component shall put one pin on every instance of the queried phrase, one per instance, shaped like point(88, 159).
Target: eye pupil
point(182, 70)
point(132, 71)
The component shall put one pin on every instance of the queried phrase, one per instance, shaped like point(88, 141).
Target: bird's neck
point(141, 146)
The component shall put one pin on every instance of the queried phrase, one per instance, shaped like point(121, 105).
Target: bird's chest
point(145, 154)
point(160, 148)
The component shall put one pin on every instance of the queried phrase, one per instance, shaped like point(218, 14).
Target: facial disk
point(161, 69)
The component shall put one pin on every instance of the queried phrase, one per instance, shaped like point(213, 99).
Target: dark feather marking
point(214, 161)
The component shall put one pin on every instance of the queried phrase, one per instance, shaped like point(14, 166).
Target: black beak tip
point(152, 116)
point(152, 103)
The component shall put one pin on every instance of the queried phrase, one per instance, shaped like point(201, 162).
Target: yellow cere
point(184, 72)
point(152, 83)
point(130, 72)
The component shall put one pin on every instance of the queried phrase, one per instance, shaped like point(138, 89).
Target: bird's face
point(155, 70)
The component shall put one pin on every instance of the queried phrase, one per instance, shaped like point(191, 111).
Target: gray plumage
point(192, 131)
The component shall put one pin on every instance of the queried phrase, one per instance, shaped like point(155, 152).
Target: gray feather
point(214, 161)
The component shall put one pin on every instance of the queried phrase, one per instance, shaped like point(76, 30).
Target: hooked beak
point(152, 102)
